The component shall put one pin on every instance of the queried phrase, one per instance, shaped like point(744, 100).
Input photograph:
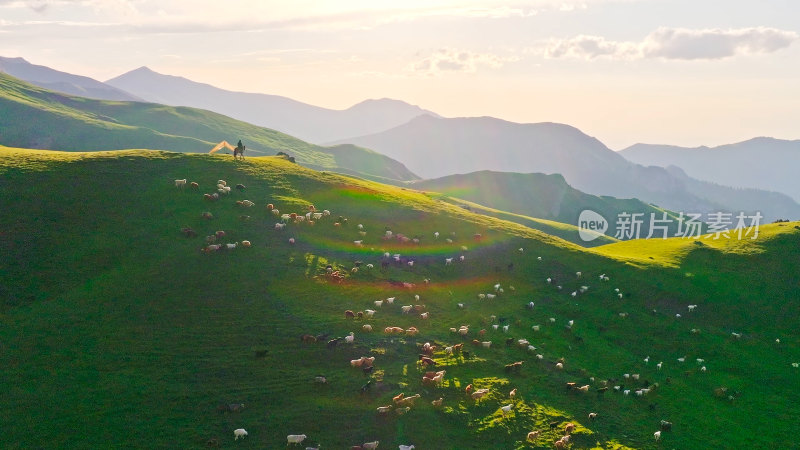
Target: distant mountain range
point(34, 117)
point(304, 121)
point(62, 81)
point(763, 163)
point(435, 147)
point(538, 195)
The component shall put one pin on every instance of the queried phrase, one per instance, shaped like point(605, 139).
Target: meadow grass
point(118, 332)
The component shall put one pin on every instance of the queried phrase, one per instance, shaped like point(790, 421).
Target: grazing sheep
point(350, 338)
point(506, 409)
point(239, 433)
point(569, 428)
point(533, 435)
point(559, 366)
point(477, 395)
point(666, 426)
point(592, 416)
point(370, 445)
point(246, 244)
point(657, 435)
point(194, 185)
point(437, 403)
point(180, 183)
point(406, 447)
point(295, 438)
point(384, 409)
point(513, 393)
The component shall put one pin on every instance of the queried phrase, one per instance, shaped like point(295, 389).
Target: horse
point(239, 151)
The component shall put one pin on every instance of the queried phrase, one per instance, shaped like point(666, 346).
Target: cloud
point(676, 44)
point(454, 60)
point(679, 43)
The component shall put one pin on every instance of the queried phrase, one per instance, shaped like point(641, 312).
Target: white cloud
point(676, 43)
point(454, 60)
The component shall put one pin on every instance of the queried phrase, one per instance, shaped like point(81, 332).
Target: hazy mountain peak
point(308, 122)
point(761, 162)
point(59, 81)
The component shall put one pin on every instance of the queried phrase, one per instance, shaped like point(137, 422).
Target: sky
point(682, 72)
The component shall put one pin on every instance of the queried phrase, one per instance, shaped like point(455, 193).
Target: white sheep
point(295, 438)
point(367, 328)
point(549, 280)
point(406, 447)
point(405, 309)
point(657, 435)
point(505, 328)
point(239, 433)
point(350, 338)
point(448, 261)
point(507, 409)
point(369, 312)
point(578, 274)
point(180, 183)
point(378, 303)
point(535, 328)
point(390, 300)
point(490, 296)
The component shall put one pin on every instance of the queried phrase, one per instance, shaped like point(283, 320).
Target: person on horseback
point(239, 150)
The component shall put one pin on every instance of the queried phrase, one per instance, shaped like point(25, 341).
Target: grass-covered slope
point(543, 196)
point(116, 331)
point(34, 117)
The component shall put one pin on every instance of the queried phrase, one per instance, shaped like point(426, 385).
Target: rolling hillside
point(763, 163)
point(116, 331)
point(436, 147)
point(310, 123)
point(34, 117)
point(543, 196)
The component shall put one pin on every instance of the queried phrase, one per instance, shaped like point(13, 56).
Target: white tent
point(223, 144)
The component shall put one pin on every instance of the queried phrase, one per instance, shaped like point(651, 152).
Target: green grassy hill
point(34, 117)
point(116, 331)
point(543, 196)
